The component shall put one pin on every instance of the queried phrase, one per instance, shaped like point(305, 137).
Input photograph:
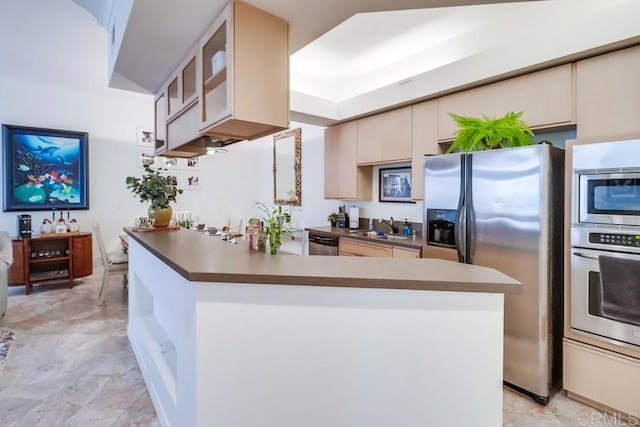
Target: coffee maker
point(24, 226)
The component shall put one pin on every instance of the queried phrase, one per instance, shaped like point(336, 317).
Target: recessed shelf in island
point(160, 356)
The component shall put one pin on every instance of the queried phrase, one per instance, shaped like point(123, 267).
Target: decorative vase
point(162, 216)
point(274, 245)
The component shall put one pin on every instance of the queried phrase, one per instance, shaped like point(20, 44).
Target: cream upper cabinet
point(343, 179)
point(385, 137)
point(608, 96)
point(424, 140)
point(547, 98)
point(244, 63)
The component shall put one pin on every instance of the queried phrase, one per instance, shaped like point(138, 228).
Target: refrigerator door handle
point(461, 225)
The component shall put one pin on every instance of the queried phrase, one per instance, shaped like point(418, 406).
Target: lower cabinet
point(355, 247)
point(603, 379)
point(51, 257)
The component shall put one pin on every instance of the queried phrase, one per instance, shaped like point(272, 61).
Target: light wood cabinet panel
point(424, 140)
point(355, 247)
point(385, 137)
point(472, 102)
point(603, 378)
point(235, 104)
point(369, 144)
point(343, 179)
point(399, 252)
point(215, 92)
point(547, 98)
point(608, 96)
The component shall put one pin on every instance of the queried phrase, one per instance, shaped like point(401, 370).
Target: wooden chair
point(112, 262)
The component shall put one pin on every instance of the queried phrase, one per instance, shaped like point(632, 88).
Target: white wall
point(54, 75)
point(233, 181)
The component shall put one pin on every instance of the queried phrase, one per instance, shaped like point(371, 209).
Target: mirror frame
point(297, 166)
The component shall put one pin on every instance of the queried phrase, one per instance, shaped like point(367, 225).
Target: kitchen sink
point(374, 235)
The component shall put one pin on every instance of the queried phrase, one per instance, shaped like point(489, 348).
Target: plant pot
point(334, 223)
point(162, 216)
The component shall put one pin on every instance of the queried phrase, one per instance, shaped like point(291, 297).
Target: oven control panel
point(615, 239)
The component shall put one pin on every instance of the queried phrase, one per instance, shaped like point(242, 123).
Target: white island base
point(249, 355)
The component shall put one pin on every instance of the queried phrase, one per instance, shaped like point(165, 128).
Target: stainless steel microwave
point(610, 198)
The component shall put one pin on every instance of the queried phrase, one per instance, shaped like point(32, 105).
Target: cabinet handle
point(580, 254)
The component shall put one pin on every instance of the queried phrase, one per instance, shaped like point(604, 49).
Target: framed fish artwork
point(44, 169)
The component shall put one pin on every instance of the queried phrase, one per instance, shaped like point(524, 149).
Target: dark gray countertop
point(409, 242)
point(198, 257)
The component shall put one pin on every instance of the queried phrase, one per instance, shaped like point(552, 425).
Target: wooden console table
point(51, 257)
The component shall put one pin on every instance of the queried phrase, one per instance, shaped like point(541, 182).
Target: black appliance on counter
point(343, 217)
point(343, 220)
point(24, 226)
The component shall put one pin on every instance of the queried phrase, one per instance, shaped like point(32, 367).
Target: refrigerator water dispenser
point(441, 227)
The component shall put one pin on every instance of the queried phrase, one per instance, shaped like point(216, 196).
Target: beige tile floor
point(71, 365)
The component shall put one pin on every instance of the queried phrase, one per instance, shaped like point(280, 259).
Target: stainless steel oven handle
point(580, 254)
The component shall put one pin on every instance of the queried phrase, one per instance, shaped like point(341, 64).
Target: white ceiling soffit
point(374, 61)
point(160, 32)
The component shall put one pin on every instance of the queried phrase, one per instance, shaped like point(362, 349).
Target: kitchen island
point(225, 336)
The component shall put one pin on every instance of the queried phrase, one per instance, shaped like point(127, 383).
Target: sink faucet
point(390, 225)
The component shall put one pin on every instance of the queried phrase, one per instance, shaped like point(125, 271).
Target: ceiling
point(347, 62)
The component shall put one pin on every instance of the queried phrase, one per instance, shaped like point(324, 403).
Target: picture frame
point(144, 137)
point(192, 164)
point(395, 184)
point(145, 157)
point(190, 181)
point(44, 169)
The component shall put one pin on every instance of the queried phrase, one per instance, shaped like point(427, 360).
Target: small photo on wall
point(144, 137)
point(192, 164)
point(170, 163)
point(145, 157)
point(191, 181)
point(172, 180)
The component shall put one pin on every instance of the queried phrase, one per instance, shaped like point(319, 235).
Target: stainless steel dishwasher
point(321, 244)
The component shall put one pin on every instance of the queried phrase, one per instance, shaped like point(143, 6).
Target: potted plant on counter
point(333, 219)
point(488, 132)
point(159, 190)
point(275, 219)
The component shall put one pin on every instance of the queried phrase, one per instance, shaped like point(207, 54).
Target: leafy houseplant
point(333, 218)
point(275, 219)
point(489, 132)
point(155, 188)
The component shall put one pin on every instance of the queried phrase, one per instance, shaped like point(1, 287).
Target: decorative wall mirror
point(287, 167)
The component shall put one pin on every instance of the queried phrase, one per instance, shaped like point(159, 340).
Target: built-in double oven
point(605, 242)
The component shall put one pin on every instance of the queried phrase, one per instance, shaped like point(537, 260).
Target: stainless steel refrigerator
point(504, 209)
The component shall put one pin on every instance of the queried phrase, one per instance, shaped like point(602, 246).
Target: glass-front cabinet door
point(217, 69)
point(174, 98)
point(189, 81)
